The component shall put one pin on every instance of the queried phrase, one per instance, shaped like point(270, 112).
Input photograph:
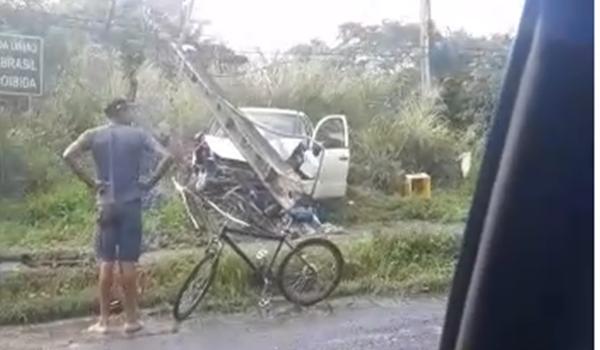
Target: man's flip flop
point(132, 327)
point(98, 328)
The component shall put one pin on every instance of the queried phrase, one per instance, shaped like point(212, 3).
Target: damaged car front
point(322, 164)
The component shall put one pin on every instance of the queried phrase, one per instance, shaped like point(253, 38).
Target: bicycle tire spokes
point(195, 290)
point(306, 279)
point(311, 272)
point(195, 286)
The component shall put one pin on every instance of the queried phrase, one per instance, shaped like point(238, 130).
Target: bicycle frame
point(224, 236)
point(225, 230)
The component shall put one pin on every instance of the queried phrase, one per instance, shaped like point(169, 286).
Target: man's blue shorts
point(119, 234)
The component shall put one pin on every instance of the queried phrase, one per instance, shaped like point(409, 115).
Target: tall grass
point(414, 139)
point(371, 206)
point(319, 88)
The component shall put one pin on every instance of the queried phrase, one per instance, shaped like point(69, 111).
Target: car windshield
point(284, 123)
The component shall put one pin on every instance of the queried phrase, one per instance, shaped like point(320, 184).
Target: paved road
point(349, 324)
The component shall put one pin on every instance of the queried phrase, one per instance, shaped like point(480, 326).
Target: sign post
point(21, 65)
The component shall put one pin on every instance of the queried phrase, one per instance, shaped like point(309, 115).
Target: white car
point(320, 153)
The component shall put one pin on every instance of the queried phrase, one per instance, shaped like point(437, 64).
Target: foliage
point(398, 256)
point(467, 68)
point(470, 79)
point(319, 89)
point(168, 226)
point(413, 140)
point(58, 217)
point(64, 216)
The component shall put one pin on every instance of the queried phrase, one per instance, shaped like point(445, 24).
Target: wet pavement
point(348, 324)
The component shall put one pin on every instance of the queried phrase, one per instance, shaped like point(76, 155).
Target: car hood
point(224, 148)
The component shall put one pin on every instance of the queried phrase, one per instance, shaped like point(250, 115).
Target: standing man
point(117, 149)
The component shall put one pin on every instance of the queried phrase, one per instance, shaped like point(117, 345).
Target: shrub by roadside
point(401, 262)
point(413, 139)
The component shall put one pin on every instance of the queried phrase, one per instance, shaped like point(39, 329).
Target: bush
point(410, 141)
point(320, 88)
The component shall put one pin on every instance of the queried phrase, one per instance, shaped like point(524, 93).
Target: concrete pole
point(425, 47)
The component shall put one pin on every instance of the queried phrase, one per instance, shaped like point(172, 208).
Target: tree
point(390, 46)
point(470, 78)
point(304, 52)
point(467, 69)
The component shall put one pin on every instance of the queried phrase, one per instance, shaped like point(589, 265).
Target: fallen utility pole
point(278, 176)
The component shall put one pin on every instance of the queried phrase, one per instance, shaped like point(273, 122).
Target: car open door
point(330, 140)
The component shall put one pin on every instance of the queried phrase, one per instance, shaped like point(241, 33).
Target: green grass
point(64, 217)
point(365, 206)
point(169, 226)
point(413, 261)
point(60, 217)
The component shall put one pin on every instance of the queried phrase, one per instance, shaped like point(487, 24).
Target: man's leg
point(106, 242)
point(129, 282)
point(105, 288)
point(130, 240)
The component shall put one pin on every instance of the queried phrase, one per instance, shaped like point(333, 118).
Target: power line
point(409, 49)
point(61, 17)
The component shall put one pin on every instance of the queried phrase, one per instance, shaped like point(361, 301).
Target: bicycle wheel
point(195, 287)
point(310, 272)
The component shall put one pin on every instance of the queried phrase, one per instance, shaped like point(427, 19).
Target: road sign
point(21, 65)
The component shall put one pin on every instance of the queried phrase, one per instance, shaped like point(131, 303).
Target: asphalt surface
point(346, 324)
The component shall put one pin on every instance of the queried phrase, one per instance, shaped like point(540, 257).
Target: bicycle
point(297, 276)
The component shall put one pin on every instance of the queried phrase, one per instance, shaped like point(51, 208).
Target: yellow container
point(417, 185)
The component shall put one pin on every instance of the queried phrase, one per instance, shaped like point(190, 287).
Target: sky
point(274, 25)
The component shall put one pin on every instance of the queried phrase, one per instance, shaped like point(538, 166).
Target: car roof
point(260, 110)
